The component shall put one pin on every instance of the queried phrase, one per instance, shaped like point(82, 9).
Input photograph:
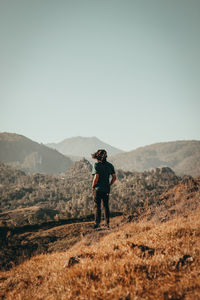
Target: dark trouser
point(98, 196)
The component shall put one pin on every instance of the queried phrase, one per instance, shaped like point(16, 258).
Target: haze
point(127, 72)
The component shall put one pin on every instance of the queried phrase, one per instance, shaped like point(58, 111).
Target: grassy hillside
point(135, 260)
point(23, 241)
point(151, 253)
point(29, 156)
point(182, 156)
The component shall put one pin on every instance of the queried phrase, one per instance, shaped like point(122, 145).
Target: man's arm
point(95, 180)
point(113, 179)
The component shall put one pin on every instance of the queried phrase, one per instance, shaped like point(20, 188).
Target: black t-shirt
point(104, 170)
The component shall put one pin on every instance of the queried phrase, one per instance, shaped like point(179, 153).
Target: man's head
point(100, 155)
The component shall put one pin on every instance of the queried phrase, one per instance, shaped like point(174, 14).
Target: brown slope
point(22, 243)
point(180, 199)
point(141, 260)
point(182, 156)
point(29, 156)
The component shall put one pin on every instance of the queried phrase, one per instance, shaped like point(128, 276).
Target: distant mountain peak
point(83, 146)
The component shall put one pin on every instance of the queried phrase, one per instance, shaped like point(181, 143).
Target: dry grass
point(142, 260)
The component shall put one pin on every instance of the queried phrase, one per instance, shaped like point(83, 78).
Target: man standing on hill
point(102, 170)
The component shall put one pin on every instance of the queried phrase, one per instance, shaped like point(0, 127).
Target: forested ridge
point(37, 198)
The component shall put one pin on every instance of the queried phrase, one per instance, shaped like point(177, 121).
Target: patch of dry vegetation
point(16, 246)
point(38, 198)
point(140, 260)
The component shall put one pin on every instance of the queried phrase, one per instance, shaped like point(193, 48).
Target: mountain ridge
point(182, 156)
point(27, 155)
point(83, 146)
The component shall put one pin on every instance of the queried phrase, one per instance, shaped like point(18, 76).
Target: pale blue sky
point(127, 72)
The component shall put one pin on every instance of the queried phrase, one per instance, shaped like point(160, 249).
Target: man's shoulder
point(100, 165)
point(110, 165)
point(97, 166)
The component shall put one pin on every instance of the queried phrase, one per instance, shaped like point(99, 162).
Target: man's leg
point(106, 207)
point(97, 200)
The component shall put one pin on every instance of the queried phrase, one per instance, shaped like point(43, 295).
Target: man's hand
point(113, 179)
point(95, 180)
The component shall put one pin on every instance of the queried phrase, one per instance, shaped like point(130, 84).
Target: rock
point(186, 259)
point(73, 260)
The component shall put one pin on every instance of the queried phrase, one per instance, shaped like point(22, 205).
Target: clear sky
point(126, 71)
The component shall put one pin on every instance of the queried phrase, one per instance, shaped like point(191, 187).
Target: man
point(102, 170)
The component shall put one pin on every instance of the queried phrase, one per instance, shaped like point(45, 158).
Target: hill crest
point(21, 152)
point(182, 156)
point(83, 146)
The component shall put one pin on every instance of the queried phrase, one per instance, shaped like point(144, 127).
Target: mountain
point(20, 152)
point(83, 147)
point(182, 156)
